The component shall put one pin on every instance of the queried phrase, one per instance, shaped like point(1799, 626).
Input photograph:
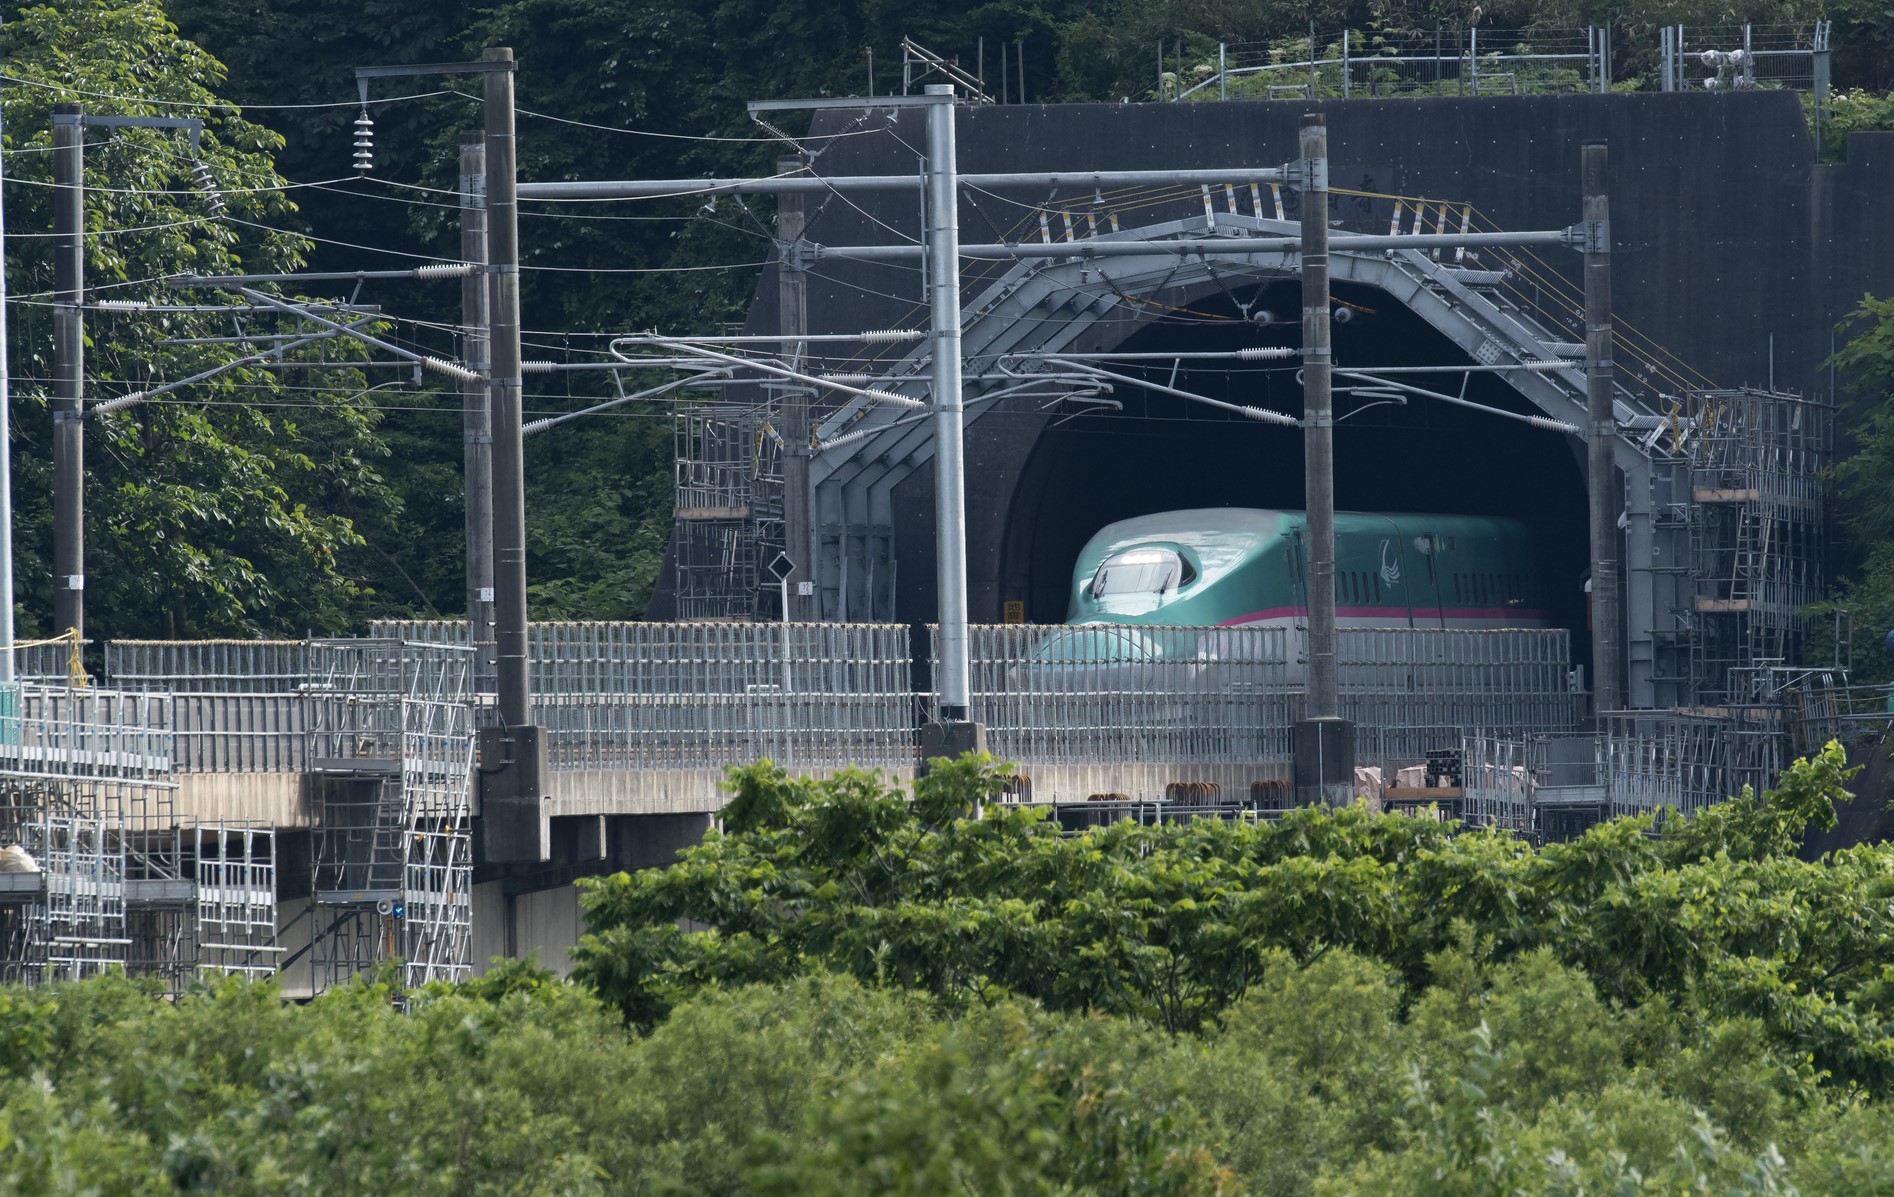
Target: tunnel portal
point(1161, 453)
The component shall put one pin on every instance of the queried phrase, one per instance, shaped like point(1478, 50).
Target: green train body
point(1229, 566)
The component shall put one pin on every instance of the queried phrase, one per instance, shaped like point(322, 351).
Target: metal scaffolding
point(391, 743)
point(1687, 761)
point(1755, 527)
point(235, 899)
point(728, 511)
point(84, 789)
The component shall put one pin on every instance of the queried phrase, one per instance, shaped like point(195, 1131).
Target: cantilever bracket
point(1294, 171)
point(1590, 236)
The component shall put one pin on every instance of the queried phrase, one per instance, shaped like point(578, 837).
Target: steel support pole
point(68, 369)
point(1324, 764)
point(476, 415)
point(792, 306)
point(1318, 419)
point(943, 250)
point(505, 393)
point(7, 669)
point(1607, 635)
point(513, 760)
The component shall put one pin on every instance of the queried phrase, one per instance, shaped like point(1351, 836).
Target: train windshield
point(1141, 571)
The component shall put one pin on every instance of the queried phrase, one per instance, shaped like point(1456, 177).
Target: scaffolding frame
point(728, 511)
point(85, 788)
point(235, 899)
point(1755, 529)
point(392, 848)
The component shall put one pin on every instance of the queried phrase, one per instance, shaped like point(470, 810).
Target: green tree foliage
point(1172, 925)
point(1867, 481)
point(919, 993)
point(1332, 1076)
point(223, 508)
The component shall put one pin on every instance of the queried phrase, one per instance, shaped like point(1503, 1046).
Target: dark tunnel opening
point(1162, 453)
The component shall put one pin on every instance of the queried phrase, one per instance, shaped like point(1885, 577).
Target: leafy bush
point(1173, 925)
point(931, 992)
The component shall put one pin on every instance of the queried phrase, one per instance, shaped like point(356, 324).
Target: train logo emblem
point(1390, 564)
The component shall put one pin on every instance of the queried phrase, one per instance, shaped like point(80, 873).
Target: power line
point(227, 107)
point(269, 228)
point(283, 186)
point(645, 269)
point(702, 137)
point(142, 228)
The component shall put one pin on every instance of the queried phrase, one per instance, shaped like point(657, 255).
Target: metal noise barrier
point(1415, 689)
point(635, 695)
point(1053, 695)
point(1060, 695)
point(208, 666)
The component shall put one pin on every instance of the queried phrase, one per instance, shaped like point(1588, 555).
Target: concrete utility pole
point(1607, 642)
point(477, 416)
point(955, 733)
point(505, 395)
point(792, 304)
point(1318, 419)
point(1324, 742)
point(68, 369)
point(513, 755)
point(7, 673)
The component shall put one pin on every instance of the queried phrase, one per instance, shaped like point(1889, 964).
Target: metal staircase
point(391, 743)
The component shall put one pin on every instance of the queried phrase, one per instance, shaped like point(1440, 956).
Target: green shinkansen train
point(1228, 566)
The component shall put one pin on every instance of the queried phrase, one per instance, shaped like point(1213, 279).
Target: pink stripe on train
point(1400, 613)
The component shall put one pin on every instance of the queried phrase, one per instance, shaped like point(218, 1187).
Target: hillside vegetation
point(893, 997)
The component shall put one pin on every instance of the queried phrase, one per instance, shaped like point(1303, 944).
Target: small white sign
point(486, 594)
point(805, 589)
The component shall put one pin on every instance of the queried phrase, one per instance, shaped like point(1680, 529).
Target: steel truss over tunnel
point(1716, 565)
